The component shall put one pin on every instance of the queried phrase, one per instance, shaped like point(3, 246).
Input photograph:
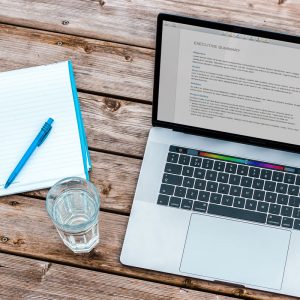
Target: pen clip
point(41, 141)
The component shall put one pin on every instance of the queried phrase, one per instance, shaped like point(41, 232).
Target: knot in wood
point(88, 48)
point(106, 190)
point(112, 104)
point(128, 58)
point(239, 292)
point(4, 239)
point(65, 22)
point(19, 242)
point(14, 203)
point(59, 43)
point(101, 3)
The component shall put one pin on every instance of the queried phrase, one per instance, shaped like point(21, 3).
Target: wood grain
point(134, 21)
point(115, 177)
point(24, 278)
point(25, 229)
point(115, 125)
point(101, 67)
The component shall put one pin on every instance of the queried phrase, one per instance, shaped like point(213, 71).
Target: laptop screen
point(229, 82)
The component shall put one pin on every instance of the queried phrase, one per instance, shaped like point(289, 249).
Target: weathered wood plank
point(25, 229)
point(134, 22)
point(115, 177)
point(115, 125)
point(24, 278)
point(101, 67)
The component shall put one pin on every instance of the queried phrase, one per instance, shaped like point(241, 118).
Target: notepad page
point(28, 97)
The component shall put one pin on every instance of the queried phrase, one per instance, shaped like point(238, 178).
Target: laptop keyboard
point(231, 187)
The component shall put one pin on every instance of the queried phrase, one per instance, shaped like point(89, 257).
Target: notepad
point(28, 97)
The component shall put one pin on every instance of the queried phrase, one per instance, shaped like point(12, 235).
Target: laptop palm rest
point(235, 251)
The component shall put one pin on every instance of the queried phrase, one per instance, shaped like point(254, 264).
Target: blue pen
point(38, 141)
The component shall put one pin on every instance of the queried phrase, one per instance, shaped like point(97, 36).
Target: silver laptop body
point(249, 242)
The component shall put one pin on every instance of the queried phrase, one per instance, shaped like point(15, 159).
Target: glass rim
point(79, 227)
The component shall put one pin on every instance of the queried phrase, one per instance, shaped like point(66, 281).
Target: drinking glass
point(73, 206)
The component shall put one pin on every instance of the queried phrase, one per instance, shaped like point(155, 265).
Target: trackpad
point(239, 252)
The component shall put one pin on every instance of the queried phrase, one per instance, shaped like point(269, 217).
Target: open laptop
point(218, 193)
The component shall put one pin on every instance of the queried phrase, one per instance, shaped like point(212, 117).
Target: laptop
point(218, 192)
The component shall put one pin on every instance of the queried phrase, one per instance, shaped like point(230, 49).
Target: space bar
point(236, 213)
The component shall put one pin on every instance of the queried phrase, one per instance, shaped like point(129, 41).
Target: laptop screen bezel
point(203, 131)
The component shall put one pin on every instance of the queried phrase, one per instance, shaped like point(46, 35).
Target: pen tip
point(7, 184)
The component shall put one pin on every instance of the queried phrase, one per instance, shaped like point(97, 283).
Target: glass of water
point(73, 205)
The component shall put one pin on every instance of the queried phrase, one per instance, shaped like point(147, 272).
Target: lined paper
point(28, 97)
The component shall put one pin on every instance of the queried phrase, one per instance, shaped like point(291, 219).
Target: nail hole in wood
point(128, 58)
point(65, 22)
point(59, 43)
point(4, 239)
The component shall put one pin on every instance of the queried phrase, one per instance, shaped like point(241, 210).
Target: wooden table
point(111, 44)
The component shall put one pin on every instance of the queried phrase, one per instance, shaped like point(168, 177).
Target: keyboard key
point(227, 200)
point(270, 197)
point(251, 204)
point(286, 211)
point(235, 179)
point(274, 220)
point(167, 189)
point(237, 213)
point(211, 175)
point(258, 184)
point(277, 176)
point(211, 186)
point(287, 222)
point(163, 199)
point(289, 178)
point(254, 172)
point(196, 162)
point(262, 206)
point(219, 165)
point(274, 209)
point(215, 198)
point(223, 177)
point(235, 190)
point(200, 184)
point(172, 179)
point(247, 193)
point(223, 188)
point(203, 196)
point(191, 194)
point(293, 190)
point(180, 191)
point(173, 169)
point(200, 206)
point(298, 180)
point(207, 163)
point(242, 170)
point(187, 171)
point(296, 213)
point(230, 168)
point(246, 181)
point(297, 224)
point(174, 202)
point(199, 173)
point(265, 174)
point(184, 159)
point(281, 188)
point(259, 195)
point(186, 204)
point(270, 186)
point(294, 201)
point(282, 199)
point(188, 182)
point(239, 202)
point(173, 158)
